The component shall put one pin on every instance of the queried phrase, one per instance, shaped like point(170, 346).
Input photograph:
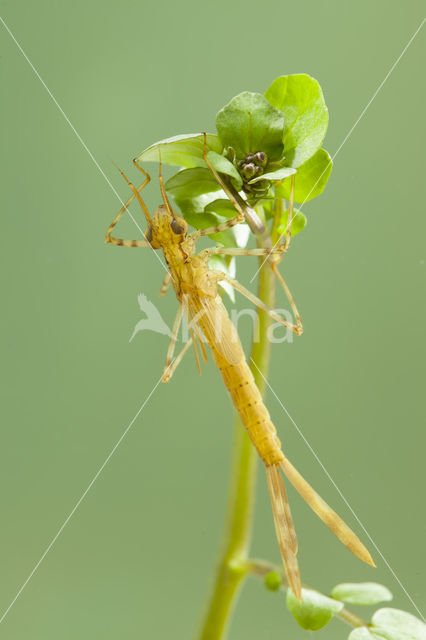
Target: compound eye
point(177, 227)
point(148, 234)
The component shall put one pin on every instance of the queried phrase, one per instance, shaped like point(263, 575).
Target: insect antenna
point(137, 194)
point(163, 190)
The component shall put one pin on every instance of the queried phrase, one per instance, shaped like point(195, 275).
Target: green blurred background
point(136, 559)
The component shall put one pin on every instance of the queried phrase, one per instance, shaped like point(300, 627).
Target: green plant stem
point(239, 517)
point(351, 619)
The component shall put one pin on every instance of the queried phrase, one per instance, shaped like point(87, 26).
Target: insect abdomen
point(246, 397)
point(238, 378)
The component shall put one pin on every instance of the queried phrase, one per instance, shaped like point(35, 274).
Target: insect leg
point(220, 227)
point(175, 330)
point(297, 329)
point(194, 336)
point(197, 336)
point(145, 173)
point(235, 251)
point(172, 368)
point(194, 342)
point(238, 251)
point(290, 298)
point(166, 283)
point(120, 241)
point(170, 365)
point(289, 216)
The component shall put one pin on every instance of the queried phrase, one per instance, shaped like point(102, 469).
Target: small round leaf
point(398, 625)
point(362, 593)
point(301, 100)
point(311, 178)
point(363, 633)
point(298, 223)
point(182, 151)
point(315, 610)
point(277, 175)
point(190, 183)
point(222, 207)
point(249, 123)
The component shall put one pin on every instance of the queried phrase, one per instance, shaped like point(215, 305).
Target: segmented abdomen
point(249, 403)
point(239, 379)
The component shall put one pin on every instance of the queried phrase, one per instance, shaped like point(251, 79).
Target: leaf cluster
point(316, 610)
point(261, 141)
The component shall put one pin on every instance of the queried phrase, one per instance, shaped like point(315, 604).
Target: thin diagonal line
point(78, 136)
point(381, 85)
point(341, 494)
point(80, 500)
point(361, 115)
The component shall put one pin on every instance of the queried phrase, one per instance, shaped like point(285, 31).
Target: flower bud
point(260, 158)
point(248, 170)
point(273, 581)
point(229, 154)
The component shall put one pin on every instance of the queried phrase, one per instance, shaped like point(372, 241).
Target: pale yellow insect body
point(196, 289)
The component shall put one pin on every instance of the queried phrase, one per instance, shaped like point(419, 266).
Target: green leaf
point(250, 123)
point(222, 165)
point(203, 220)
point(301, 100)
point(267, 205)
point(315, 611)
point(391, 624)
point(311, 178)
point(183, 151)
point(398, 625)
point(190, 183)
point(362, 633)
point(385, 633)
point(279, 175)
point(362, 593)
point(222, 207)
point(233, 237)
point(381, 633)
point(192, 210)
point(298, 223)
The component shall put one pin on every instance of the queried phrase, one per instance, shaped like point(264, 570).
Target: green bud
point(248, 170)
point(260, 158)
point(273, 581)
point(229, 154)
point(261, 186)
point(258, 189)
